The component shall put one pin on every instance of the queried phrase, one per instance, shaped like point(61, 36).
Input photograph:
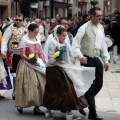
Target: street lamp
point(80, 4)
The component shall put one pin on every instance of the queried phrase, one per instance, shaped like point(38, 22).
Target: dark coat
point(114, 32)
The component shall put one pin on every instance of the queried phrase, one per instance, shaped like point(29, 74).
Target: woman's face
point(35, 32)
point(62, 37)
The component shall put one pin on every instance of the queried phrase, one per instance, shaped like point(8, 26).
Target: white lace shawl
point(25, 42)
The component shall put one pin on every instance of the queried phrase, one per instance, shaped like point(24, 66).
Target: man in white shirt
point(90, 47)
point(10, 42)
point(41, 30)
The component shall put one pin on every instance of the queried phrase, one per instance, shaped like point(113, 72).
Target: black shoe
point(82, 112)
point(96, 118)
point(13, 96)
point(19, 110)
point(38, 113)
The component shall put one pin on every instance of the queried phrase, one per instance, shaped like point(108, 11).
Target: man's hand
point(106, 66)
point(4, 55)
point(83, 60)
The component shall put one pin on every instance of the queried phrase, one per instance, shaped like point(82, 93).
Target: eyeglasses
point(99, 16)
point(18, 20)
point(64, 23)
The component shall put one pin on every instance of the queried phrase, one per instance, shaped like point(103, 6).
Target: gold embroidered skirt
point(30, 85)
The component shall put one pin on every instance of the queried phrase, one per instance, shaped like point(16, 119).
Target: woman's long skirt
point(30, 85)
point(59, 91)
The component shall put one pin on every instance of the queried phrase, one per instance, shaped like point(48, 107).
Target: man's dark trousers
point(97, 84)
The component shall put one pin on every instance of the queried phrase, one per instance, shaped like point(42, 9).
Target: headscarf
point(70, 58)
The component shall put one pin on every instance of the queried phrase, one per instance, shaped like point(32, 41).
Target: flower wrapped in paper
point(60, 54)
point(32, 58)
point(38, 63)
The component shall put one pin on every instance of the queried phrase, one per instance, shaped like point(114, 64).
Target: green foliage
point(94, 2)
point(60, 55)
point(33, 60)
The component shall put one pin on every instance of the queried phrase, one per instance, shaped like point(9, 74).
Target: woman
point(114, 32)
point(30, 81)
point(65, 83)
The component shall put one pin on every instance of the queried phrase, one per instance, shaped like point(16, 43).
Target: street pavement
point(107, 101)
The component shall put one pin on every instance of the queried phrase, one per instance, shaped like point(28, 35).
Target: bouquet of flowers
point(59, 55)
point(32, 58)
point(40, 65)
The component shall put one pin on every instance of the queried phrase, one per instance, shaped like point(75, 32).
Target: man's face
point(97, 17)
point(57, 16)
point(65, 24)
point(19, 21)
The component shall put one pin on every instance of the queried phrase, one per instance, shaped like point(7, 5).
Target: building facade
point(7, 8)
point(49, 8)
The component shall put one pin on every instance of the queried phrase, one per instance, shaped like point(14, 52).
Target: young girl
point(30, 81)
point(65, 84)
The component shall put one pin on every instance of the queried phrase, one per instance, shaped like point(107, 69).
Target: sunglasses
point(18, 20)
point(99, 16)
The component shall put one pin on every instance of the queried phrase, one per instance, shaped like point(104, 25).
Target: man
point(90, 47)
point(58, 16)
point(5, 25)
point(85, 19)
point(41, 31)
point(10, 42)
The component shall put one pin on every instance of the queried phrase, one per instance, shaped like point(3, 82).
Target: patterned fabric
point(30, 86)
point(8, 81)
point(97, 53)
point(13, 43)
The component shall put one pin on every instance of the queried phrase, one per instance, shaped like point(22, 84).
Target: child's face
point(62, 37)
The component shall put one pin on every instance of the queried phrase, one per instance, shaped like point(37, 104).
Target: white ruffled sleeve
point(51, 51)
point(76, 43)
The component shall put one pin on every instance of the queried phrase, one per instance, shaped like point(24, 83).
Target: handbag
point(9, 58)
point(109, 40)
